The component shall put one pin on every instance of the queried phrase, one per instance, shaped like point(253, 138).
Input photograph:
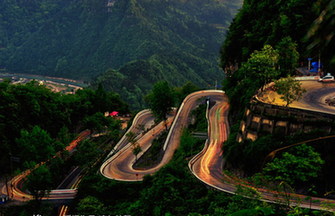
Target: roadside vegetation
point(170, 191)
point(37, 124)
point(268, 49)
point(129, 45)
point(154, 154)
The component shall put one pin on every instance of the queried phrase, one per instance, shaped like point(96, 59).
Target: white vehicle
point(327, 78)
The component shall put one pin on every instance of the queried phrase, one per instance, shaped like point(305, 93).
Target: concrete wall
point(261, 118)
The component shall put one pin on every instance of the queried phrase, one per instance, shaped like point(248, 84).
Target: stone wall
point(261, 119)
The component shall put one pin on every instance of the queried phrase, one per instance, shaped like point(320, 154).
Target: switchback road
point(15, 191)
point(207, 165)
point(120, 165)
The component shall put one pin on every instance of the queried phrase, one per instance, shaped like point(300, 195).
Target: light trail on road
point(120, 165)
point(15, 191)
point(207, 165)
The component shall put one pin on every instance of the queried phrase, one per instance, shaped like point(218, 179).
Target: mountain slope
point(267, 22)
point(82, 39)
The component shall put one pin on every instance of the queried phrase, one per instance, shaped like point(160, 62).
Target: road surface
point(313, 99)
point(207, 165)
point(120, 165)
point(15, 184)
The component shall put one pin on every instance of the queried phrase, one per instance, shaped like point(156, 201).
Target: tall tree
point(161, 100)
point(87, 153)
point(263, 65)
point(288, 56)
point(36, 145)
point(39, 182)
point(290, 89)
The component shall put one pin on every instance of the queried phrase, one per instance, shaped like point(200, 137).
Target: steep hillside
point(81, 39)
point(284, 25)
point(267, 22)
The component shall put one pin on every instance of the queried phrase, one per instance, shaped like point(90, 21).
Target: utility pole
point(319, 63)
point(309, 63)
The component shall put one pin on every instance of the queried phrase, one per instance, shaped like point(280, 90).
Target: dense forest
point(145, 41)
point(263, 49)
point(293, 32)
point(89, 37)
point(36, 122)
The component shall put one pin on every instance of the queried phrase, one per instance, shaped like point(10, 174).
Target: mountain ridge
point(83, 39)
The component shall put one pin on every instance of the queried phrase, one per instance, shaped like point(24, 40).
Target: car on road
point(327, 78)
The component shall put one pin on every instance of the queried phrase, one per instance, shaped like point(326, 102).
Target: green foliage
point(161, 100)
point(261, 65)
point(290, 89)
point(321, 36)
point(254, 212)
point(170, 191)
point(36, 145)
point(260, 69)
point(87, 152)
point(288, 56)
point(147, 40)
point(131, 136)
point(154, 154)
point(260, 23)
point(35, 123)
point(199, 115)
point(136, 150)
point(98, 122)
point(39, 181)
point(183, 91)
point(266, 22)
point(296, 166)
point(91, 205)
point(255, 152)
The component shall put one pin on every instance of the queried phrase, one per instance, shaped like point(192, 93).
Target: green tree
point(87, 152)
point(288, 56)
point(161, 100)
point(131, 136)
point(91, 205)
point(39, 182)
point(262, 65)
point(95, 122)
point(290, 89)
point(136, 150)
point(256, 25)
point(186, 89)
point(299, 165)
point(36, 145)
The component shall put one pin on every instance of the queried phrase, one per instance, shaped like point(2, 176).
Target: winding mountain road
point(15, 185)
point(207, 165)
point(120, 165)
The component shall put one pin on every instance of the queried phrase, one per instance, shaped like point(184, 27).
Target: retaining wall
point(262, 118)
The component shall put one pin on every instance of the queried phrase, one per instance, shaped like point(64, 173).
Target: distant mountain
point(176, 40)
